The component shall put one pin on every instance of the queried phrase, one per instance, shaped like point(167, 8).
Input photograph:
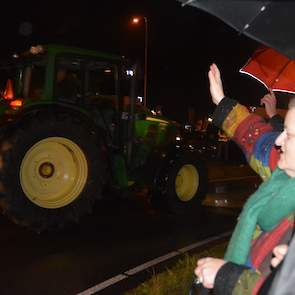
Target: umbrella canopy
point(274, 70)
point(271, 23)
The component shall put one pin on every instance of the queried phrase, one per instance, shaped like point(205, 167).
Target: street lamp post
point(145, 60)
point(136, 20)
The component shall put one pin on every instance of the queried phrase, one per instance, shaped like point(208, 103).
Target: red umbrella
point(274, 70)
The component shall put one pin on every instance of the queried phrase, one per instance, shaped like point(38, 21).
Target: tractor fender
point(38, 110)
point(58, 107)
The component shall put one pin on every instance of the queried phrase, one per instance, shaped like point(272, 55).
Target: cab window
point(100, 83)
point(67, 85)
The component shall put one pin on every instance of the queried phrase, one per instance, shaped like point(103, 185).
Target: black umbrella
point(271, 23)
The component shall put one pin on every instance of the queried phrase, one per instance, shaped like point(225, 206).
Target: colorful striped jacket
point(256, 138)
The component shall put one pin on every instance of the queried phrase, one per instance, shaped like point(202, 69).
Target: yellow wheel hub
point(53, 172)
point(187, 182)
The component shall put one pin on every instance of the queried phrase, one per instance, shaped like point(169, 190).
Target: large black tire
point(51, 170)
point(186, 184)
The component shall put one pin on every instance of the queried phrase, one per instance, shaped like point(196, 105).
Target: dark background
point(183, 41)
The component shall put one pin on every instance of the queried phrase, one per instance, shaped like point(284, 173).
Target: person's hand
point(279, 253)
point(216, 88)
point(207, 269)
point(270, 102)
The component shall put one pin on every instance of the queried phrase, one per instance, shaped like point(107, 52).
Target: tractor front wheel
point(186, 184)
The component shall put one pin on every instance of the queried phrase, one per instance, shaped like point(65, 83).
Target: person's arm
point(270, 103)
point(234, 279)
point(255, 137)
point(230, 278)
point(226, 278)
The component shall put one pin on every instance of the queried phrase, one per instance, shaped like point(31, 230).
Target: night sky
point(182, 44)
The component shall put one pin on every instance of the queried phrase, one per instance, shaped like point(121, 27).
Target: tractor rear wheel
point(52, 170)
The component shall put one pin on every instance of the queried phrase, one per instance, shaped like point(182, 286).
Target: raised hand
point(270, 102)
point(216, 88)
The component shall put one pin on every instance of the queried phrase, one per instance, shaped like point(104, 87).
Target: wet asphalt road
point(118, 236)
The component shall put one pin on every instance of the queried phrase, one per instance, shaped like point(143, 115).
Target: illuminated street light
point(136, 20)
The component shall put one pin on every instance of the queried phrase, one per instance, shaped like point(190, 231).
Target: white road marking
point(150, 263)
point(201, 243)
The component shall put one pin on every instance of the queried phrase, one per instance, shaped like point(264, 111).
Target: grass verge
point(177, 279)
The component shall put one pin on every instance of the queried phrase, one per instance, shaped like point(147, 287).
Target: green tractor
point(72, 126)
